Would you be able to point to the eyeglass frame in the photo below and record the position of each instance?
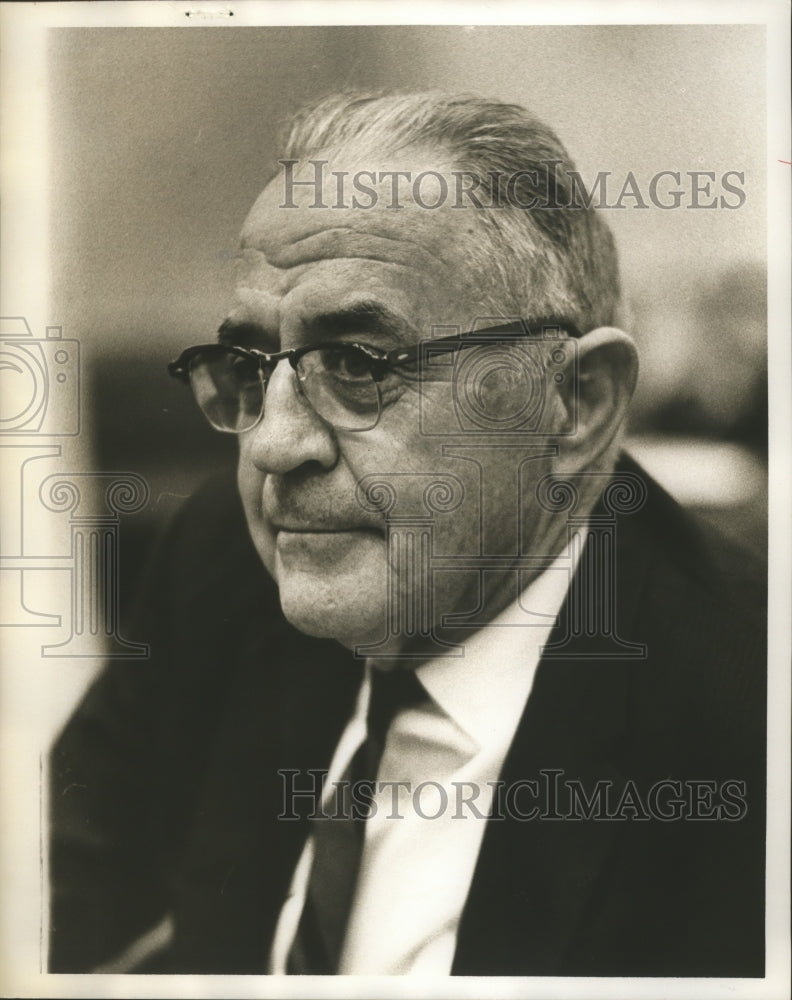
(381, 361)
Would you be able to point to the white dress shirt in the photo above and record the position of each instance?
(422, 842)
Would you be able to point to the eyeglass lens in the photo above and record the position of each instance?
(229, 390)
(336, 381)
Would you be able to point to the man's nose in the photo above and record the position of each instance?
(290, 432)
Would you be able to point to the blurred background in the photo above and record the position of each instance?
(162, 138)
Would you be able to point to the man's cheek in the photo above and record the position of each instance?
(246, 476)
(250, 483)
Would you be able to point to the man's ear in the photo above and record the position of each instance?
(599, 380)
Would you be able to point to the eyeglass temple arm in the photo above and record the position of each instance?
(443, 345)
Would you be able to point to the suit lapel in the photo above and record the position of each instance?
(535, 876)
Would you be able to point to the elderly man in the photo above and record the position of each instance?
(455, 688)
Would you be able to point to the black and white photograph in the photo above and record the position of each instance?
(395, 436)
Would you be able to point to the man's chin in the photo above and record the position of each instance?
(327, 616)
(334, 588)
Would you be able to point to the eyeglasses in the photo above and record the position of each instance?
(345, 383)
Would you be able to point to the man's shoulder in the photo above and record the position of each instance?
(699, 609)
(689, 560)
(209, 608)
(209, 530)
(203, 563)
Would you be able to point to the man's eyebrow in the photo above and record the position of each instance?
(362, 317)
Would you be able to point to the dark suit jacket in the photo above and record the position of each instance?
(166, 790)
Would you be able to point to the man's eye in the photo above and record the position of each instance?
(346, 363)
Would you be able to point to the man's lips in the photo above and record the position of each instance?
(329, 522)
(332, 545)
(322, 529)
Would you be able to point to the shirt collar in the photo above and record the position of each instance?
(485, 690)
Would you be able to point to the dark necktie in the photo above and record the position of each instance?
(338, 839)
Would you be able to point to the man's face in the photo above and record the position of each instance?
(385, 278)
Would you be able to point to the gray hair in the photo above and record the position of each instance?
(558, 261)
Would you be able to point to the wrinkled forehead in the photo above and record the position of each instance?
(338, 206)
